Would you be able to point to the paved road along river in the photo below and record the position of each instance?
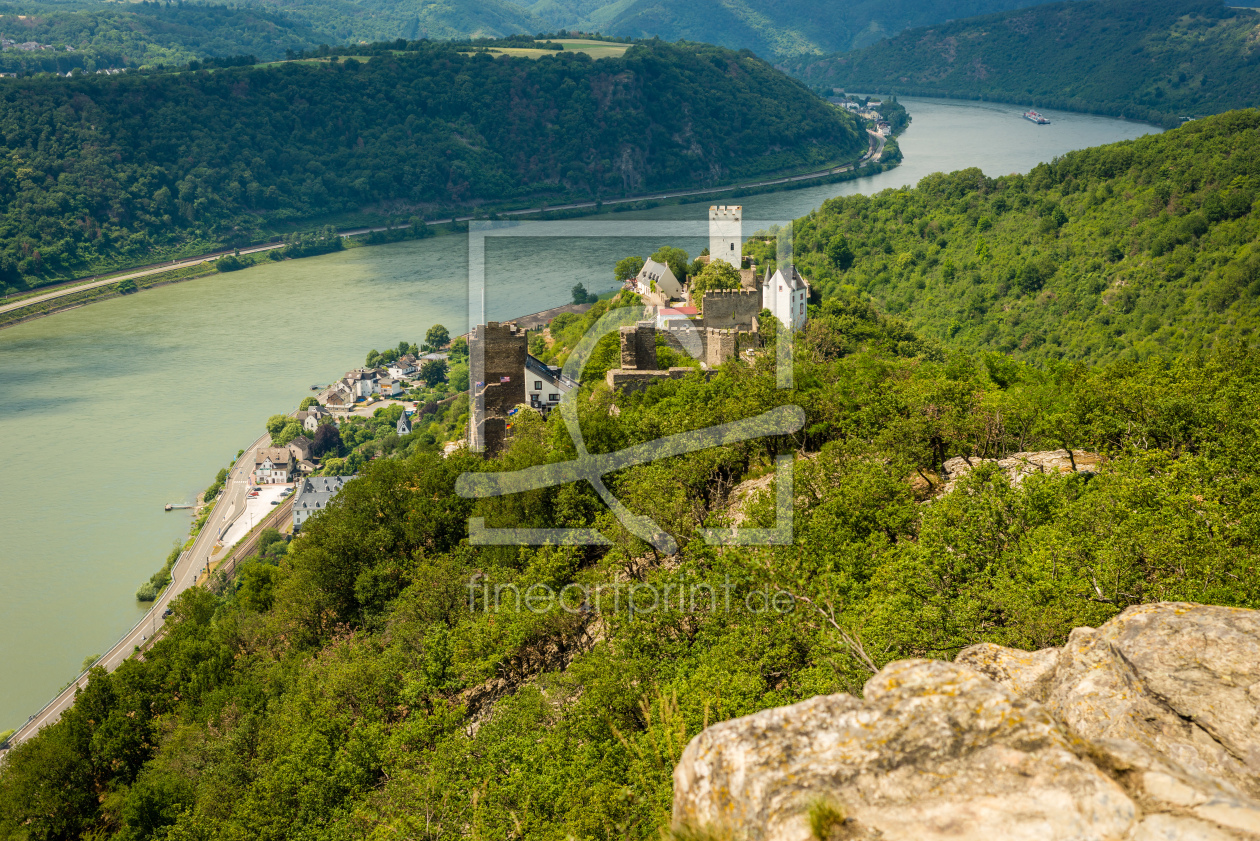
(112, 410)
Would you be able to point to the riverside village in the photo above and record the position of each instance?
(721, 303)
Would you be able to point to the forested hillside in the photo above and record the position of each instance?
(385, 679)
(92, 36)
(380, 677)
(101, 171)
(1158, 61)
(1120, 251)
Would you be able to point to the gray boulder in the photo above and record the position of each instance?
(934, 751)
(1146, 728)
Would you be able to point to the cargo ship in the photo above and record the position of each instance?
(1036, 118)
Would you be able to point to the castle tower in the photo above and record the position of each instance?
(496, 355)
(726, 234)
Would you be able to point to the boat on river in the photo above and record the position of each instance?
(1036, 118)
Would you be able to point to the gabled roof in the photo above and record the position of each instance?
(792, 280)
(276, 455)
(540, 368)
(653, 270)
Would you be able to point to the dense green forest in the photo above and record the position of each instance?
(1120, 251)
(101, 171)
(92, 36)
(363, 682)
(1155, 60)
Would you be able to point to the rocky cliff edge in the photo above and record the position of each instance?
(1146, 728)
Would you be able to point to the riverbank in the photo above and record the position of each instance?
(68, 295)
(164, 386)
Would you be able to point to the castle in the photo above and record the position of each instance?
(505, 377)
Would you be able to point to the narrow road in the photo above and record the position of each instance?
(73, 287)
(166, 267)
(191, 565)
(877, 145)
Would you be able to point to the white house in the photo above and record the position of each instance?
(545, 385)
(387, 387)
(401, 367)
(656, 277)
(312, 417)
(726, 234)
(362, 382)
(273, 466)
(786, 296)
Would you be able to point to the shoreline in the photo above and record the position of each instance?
(204, 265)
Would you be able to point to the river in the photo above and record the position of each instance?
(112, 410)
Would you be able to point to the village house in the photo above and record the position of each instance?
(339, 397)
(657, 277)
(362, 382)
(273, 466)
(313, 417)
(388, 387)
(545, 385)
(313, 495)
(401, 367)
(304, 462)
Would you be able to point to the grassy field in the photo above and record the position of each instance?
(595, 49)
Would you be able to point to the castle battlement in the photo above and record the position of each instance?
(731, 293)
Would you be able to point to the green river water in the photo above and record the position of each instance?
(112, 410)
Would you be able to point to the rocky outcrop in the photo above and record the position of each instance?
(1146, 728)
(1024, 464)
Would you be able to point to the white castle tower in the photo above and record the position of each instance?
(726, 234)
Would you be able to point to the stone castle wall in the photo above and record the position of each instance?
(731, 309)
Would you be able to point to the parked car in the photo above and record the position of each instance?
(275, 502)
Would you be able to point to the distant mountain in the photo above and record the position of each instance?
(785, 28)
(59, 37)
(774, 29)
(131, 34)
(342, 21)
(1155, 60)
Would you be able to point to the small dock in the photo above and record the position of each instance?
(172, 506)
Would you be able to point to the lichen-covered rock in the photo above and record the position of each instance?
(1145, 729)
(1021, 465)
(934, 751)
(1182, 680)
(1029, 674)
